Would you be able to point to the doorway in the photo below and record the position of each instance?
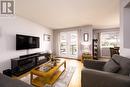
(68, 46)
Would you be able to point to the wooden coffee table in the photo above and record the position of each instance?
(40, 77)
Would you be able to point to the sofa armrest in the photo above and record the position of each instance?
(94, 64)
(96, 78)
(6, 81)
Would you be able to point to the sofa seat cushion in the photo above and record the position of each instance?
(111, 66)
(124, 64)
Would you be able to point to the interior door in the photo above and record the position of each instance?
(68, 44)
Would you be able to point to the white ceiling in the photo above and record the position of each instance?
(68, 13)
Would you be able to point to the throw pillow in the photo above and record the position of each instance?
(111, 66)
(124, 64)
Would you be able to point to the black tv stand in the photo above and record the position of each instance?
(25, 63)
(34, 54)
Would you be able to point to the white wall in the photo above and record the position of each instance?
(125, 28)
(9, 27)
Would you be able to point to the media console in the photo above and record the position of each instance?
(26, 62)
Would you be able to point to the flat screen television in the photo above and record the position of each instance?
(26, 42)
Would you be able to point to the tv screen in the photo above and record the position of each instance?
(26, 42)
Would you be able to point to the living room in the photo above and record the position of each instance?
(59, 43)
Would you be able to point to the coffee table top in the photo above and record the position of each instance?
(47, 69)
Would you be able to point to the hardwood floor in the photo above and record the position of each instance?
(76, 79)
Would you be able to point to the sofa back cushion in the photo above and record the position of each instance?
(124, 64)
(111, 66)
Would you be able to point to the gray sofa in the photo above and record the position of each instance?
(94, 73)
(6, 81)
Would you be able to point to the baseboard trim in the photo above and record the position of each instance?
(68, 58)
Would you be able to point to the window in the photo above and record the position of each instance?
(63, 43)
(68, 44)
(109, 39)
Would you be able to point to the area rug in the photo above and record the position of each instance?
(62, 81)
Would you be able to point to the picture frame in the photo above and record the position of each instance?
(47, 37)
(86, 37)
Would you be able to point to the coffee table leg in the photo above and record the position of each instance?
(31, 78)
(65, 64)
